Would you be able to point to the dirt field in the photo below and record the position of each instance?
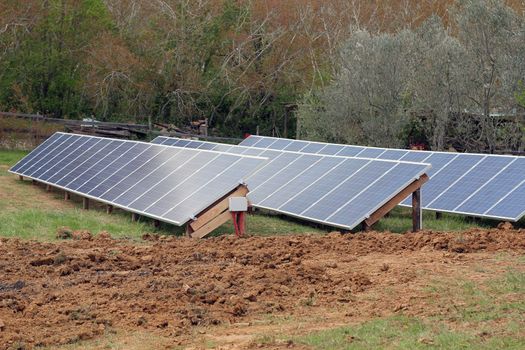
(223, 289)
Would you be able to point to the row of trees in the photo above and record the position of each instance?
(357, 69)
(461, 78)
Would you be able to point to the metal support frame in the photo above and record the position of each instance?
(67, 195)
(109, 209)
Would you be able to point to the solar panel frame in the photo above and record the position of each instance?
(254, 140)
(237, 149)
(64, 137)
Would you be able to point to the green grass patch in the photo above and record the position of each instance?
(42, 224)
(488, 315)
(10, 157)
(400, 221)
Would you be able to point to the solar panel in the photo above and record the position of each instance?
(332, 190)
(471, 184)
(171, 184)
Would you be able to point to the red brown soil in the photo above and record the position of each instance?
(59, 293)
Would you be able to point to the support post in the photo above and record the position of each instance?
(438, 215)
(85, 203)
(365, 227)
(20, 177)
(48, 188)
(416, 211)
(67, 196)
(156, 223)
(134, 217)
(109, 209)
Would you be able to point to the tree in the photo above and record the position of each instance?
(492, 35)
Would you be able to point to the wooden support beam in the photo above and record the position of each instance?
(212, 225)
(85, 203)
(217, 208)
(417, 216)
(20, 177)
(388, 206)
(67, 195)
(215, 215)
(109, 209)
(134, 217)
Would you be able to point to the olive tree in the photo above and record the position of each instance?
(367, 100)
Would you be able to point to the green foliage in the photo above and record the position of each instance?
(45, 74)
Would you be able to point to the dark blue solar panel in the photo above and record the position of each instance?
(46, 156)
(448, 175)
(264, 142)
(393, 154)
(496, 189)
(250, 141)
(385, 187)
(292, 182)
(457, 193)
(280, 144)
(313, 148)
(371, 152)
(125, 170)
(281, 177)
(344, 191)
(350, 151)
(66, 157)
(295, 146)
(416, 156)
(277, 198)
(100, 151)
(49, 142)
(107, 169)
(511, 206)
(331, 150)
(474, 194)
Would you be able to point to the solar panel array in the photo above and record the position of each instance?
(481, 185)
(166, 183)
(337, 191)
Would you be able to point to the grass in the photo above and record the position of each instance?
(10, 157)
(491, 315)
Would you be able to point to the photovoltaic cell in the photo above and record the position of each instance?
(337, 191)
(471, 184)
(168, 183)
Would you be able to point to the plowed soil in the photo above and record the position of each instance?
(59, 293)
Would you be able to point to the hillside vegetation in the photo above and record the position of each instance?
(246, 64)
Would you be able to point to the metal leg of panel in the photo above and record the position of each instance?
(109, 209)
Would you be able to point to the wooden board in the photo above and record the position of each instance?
(387, 207)
(217, 208)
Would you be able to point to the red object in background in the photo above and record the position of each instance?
(238, 223)
(246, 135)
